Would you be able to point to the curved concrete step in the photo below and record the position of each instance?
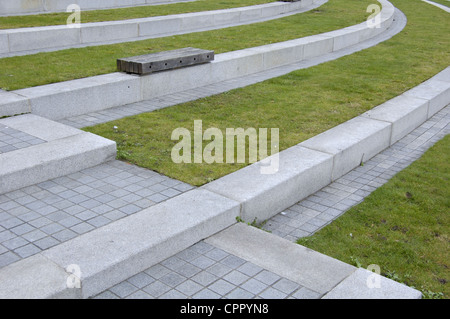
(32, 40)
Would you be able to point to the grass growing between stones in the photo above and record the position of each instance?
(60, 18)
(301, 104)
(51, 67)
(403, 227)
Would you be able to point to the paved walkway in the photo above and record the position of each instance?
(41, 216)
(205, 271)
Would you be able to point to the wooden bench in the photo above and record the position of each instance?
(166, 60)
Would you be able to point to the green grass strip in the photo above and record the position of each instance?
(403, 227)
(60, 18)
(51, 67)
(301, 104)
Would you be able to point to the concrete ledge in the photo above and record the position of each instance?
(304, 266)
(351, 143)
(301, 172)
(13, 104)
(117, 251)
(67, 151)
(23, 7)
(35, 278)
(23, 40)
(358, 286)
(437, 92)
(404, 112)
(60, 100)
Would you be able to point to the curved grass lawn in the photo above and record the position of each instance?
(60, 18)
(301, 104)
(51, 67)
(403, 227)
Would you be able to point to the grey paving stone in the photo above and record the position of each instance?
(15, 243)
(172, 279)
(249, 269)
(233, 261)
(34, 235)
(204, 278)
(287, 286)
(156, 289)
(141, 280)
(27, 250)
(187, 270)
(82, 228)
(305, 293)
(123, 289)
(8, 258)
(254, 286)
(202, 262)
(106, 295)
(206, 294)
(267, 277)
(240, 293)
(189, 288)
(138, 295)
(22, 229)
(235, 277)
(46, 243)
(221, 287)
(65, 235)
(157, 271)
(219, 269)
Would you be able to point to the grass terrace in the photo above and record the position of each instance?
(51, 67)
(60, 18)
(403, 227)
(301, 104)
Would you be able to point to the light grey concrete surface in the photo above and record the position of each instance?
(112, 253)
(306, 267)
(37, 39)
(268, 194)
(351, 143)
(46, 156)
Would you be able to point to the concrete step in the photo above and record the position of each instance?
(34, 150)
